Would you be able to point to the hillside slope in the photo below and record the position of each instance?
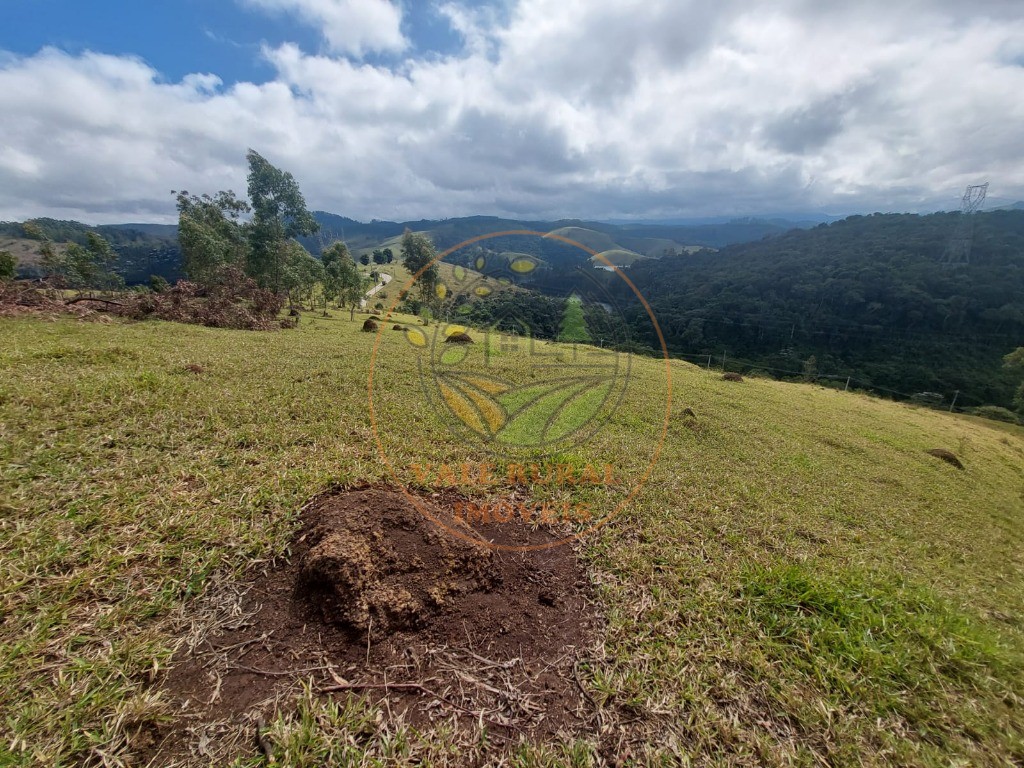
(142, 249)
(870, 297)
(798, 582)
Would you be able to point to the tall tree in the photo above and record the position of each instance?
(211, 234)
(342, 277)
(279, 214)
(573, 328)
(418, 256)
(302, 273)
(51, 262)
(90, 266)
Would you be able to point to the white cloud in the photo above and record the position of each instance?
(593, 108)
(349, 26)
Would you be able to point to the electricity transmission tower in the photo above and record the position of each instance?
(959, 249)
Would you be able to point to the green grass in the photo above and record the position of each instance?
(798, 582)
(589, 238)
(616, 257)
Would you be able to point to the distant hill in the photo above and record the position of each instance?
(870, 297)
(651, 240)
(142, 249)
(146, 249)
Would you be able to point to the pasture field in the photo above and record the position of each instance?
(797, 583)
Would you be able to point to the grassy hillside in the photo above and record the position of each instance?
(616, 257)
(799, 582)
(458, 280)
(654, 246)
(25, 251)
(595, 241)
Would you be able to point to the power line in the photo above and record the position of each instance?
(959, 249)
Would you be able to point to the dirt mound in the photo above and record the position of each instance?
(378, 600)
(398, 328)
(370, 325)
(377, 561)
(730, 376)
(459, 338)
(947, 456)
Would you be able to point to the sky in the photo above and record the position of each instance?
(531, 109)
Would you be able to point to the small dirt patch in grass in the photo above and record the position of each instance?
(947, 456)
(376, 599)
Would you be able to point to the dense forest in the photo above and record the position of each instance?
(871, 297)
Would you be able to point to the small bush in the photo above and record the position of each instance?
(730, 376)
(8, 266)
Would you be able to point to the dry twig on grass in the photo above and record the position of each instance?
(386, 687)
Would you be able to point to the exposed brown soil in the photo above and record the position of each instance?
(377, 600)
(947, 456)
(731, 376)
(459, 338)
(377, 561)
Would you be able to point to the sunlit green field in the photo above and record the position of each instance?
(798, 582)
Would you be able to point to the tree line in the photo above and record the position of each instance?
(869, 297)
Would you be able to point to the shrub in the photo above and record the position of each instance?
(8, 265)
